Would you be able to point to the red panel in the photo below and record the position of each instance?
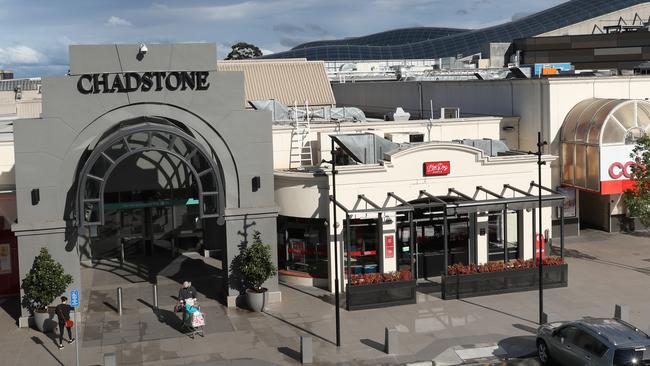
(10, 282)
(616, 186)
(390, 246)
(433, 168)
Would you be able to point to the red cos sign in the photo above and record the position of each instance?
(618, 170)
(432, 168)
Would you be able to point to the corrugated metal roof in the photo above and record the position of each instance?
(24, 84)
(287, 81)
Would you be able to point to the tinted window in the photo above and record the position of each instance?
(589, 343)
(625, 356)
(568, 333)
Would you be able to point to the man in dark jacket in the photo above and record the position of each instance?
(62, 312)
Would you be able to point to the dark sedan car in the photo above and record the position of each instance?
(592, 341)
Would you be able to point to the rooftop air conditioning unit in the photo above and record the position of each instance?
(398, 115)
(449, 113)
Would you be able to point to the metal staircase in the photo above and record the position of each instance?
(300, 154)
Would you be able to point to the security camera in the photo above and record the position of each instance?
(143, 48)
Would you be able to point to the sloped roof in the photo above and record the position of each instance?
(287, 81)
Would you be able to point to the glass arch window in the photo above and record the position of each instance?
(592, 124)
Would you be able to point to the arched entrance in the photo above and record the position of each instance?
(149, 186)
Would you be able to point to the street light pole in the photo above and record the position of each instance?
(336, 252)
(540, 145)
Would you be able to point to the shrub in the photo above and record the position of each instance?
(462, 269)
(375, 278)
(45, 282)
(256, 263)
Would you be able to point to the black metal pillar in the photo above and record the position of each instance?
(446, 240)
(414, 259)
(337, 299)
(540, 145)
(505, 233)
(348, 254)
(562, 232)
(534, 233)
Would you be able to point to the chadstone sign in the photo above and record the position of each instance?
(147, 81)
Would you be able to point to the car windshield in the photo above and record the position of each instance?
(630, 356)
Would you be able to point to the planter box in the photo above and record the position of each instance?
(380, 295)
(482, 284)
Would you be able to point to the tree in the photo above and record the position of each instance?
(256, 263)
(243, 50)
(637, 200)
(45, 282)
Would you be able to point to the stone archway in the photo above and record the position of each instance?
(149, 134)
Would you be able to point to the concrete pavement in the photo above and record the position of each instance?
(604, 269)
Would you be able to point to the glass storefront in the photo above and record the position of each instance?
(364, 244)
(496, 235)
(430, 244)
(302, 246)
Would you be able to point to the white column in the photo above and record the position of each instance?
(481, 240)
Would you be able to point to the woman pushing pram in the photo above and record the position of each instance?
(193, 320)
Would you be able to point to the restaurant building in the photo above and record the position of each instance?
(459, 195)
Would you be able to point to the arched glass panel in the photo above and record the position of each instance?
(613, 132)
(625, 115)
(599, 119)
(571, 120)
(643, 116)
(586, 118)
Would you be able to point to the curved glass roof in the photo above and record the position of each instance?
(389, 38)
(464, 43)
(606, 122)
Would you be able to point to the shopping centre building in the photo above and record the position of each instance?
(153, 156)
(590, 124)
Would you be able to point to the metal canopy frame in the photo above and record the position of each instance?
(468, 205)
(166, 139)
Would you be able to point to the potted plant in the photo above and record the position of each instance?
(256, 267)
(45, 282)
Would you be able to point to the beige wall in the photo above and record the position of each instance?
(303, 195)
(29, 106)
(7, 176)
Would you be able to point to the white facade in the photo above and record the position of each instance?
(306, 194)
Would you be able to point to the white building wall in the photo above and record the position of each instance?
(403, 176)
(435, 130)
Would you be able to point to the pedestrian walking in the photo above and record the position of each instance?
(62, 312)
(186, 292)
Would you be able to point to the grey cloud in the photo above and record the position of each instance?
(307, 29)
(291, 41)
(462, 12)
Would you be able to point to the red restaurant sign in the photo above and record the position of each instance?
(433, 168)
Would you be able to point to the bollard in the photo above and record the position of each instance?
(119, 300)
(390, 341)
(306, 350)
(622, 312)
(155, 296)
(544, 318)
(110, 359)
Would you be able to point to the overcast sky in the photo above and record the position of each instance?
(35, 33)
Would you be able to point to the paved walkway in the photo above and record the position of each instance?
(605, 269)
